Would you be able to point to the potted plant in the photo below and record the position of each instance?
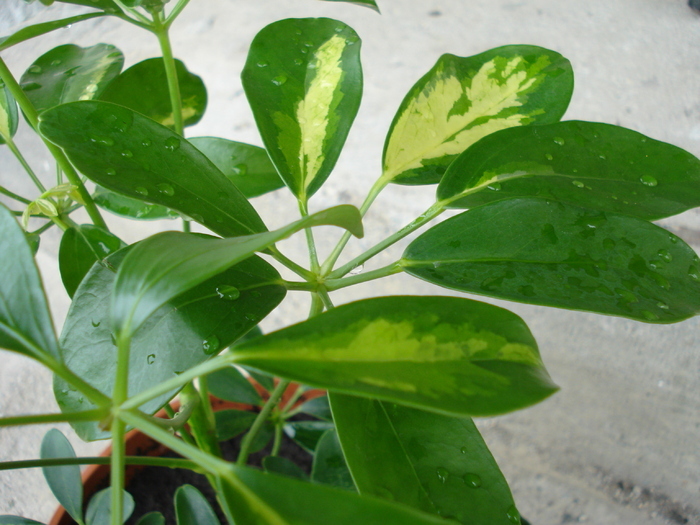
(557, 214)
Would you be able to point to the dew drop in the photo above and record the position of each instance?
(95, 324)
(662, 305)
(496, 186)
(127, 153)
(105, 141)
(548, 156)
(357, 269)
(31, 86)
(34, 70)
(279, 80)
(71, 72)
(649, 316)
(513, 515)
(197, 217)
(165, 189)
(141, 190)
(55, 62)
(230, 293)
(262, 64)
(559, 140)
(665, 255)
(210, 345)
(298, 61)
(151, 359)
(111, 172)
(673, 239)
(578, 183)
(626, 295)
(172, 144)
(146, 142)
(464, 450)
(472, 480)
(648, 180)
(693, 273)
(240, 170)
(442, 474)
(603, 157)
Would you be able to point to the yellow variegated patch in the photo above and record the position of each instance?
(4, 123)
(450, 114)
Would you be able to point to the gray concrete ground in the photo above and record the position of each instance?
(620, 444)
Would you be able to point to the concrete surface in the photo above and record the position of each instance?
(620, 444)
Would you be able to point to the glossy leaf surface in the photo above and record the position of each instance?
(183, 333)
(81, 248)
(445, 354)
(152, 518)
(130, 207)
(307, 434)
(247, 166)
(131, 154)
(421, 459)
(99, 510)
(329, 466)
(303, 80)
(231, 423)
(267, 499)
(231, 385)
(35, 30)
(192, 508)
(282, 466)
(9, 116)
(64, 481)
(69, 73)
(540, 252)
(460, 100)
(170, 263)
(367, 3)
(586, 164)
(25, 322)
(144, 88)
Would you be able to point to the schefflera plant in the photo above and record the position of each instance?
(557, 214)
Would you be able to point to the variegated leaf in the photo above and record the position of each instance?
(303, 80)
(461, 100)
(8, 114)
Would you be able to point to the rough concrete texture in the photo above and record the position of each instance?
(620, 444)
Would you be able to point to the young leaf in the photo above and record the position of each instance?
(307, 434)
(182, 334)
(231, 385)
(284, 467)
(192, 508)
(64, 481)
(80, 249)
(99, 511)
(367, 3)
(170, 263)
(152, 518)
(445, 354)
(461, 100)
(35, 30)
(135, 156)
(318, 407)
(25, 322)
(303, 80)
(9, 116)
(248, 167)
(144, 88)
(586, 164)
(329, 466)
(69, 73)
(132, 208)
(258, 498)
(424, 460)
(539, 252)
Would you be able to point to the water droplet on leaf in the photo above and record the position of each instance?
(496, 186)
(111, 172)
(230, 293)
(105, 141)
(578, 183)
(472, 480)
(126, 153)
(559, 140)
(357, 269)
(240, 169)
(166, 189)
(279, 80)
(665, 255)
(55, 62)
(442, 474)
(262, 64)
(649, 316)
(513, 515)
(34, 70)
(648, 180)
(210, 345)
(146, 142)
(548, 156)
(172, 144)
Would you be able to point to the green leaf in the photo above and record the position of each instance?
(17, 520)
(258, 498)
(35, 30)
(424, 460)
(25, 321)
(283, 466)
(144, 88)
(303, 80)
(170, 263)
(231, 385)
(64, 481)
(318, 407)
(137, 157)
(460, 100)
(99, 510)
(367, 3)
(539, 252)
(307, 434)
(152, 518)
(231, 423)
(192, 508)
(586, 164)
(248, 167)
(69, 73)
(182, 334)
(9, 116)
(445, 354)
(129, 207)
(81, 248)
(329, 466)
(108, 6)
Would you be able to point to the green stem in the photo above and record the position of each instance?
(300, 286)
(297, 269)
(337, 284)
(45, 227)
(18, 155)
(177, 421)
(277, 443)
(176, 11)
(427, 216)
(33, 118)
(39, 419)
(260, 421)
(313, 256)
(14, 196)
(325, 298)
(316, 305)
(184, 433)
(116, 478)
(99, 460)
(141, 20)
(202, 421)
(160, 29)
